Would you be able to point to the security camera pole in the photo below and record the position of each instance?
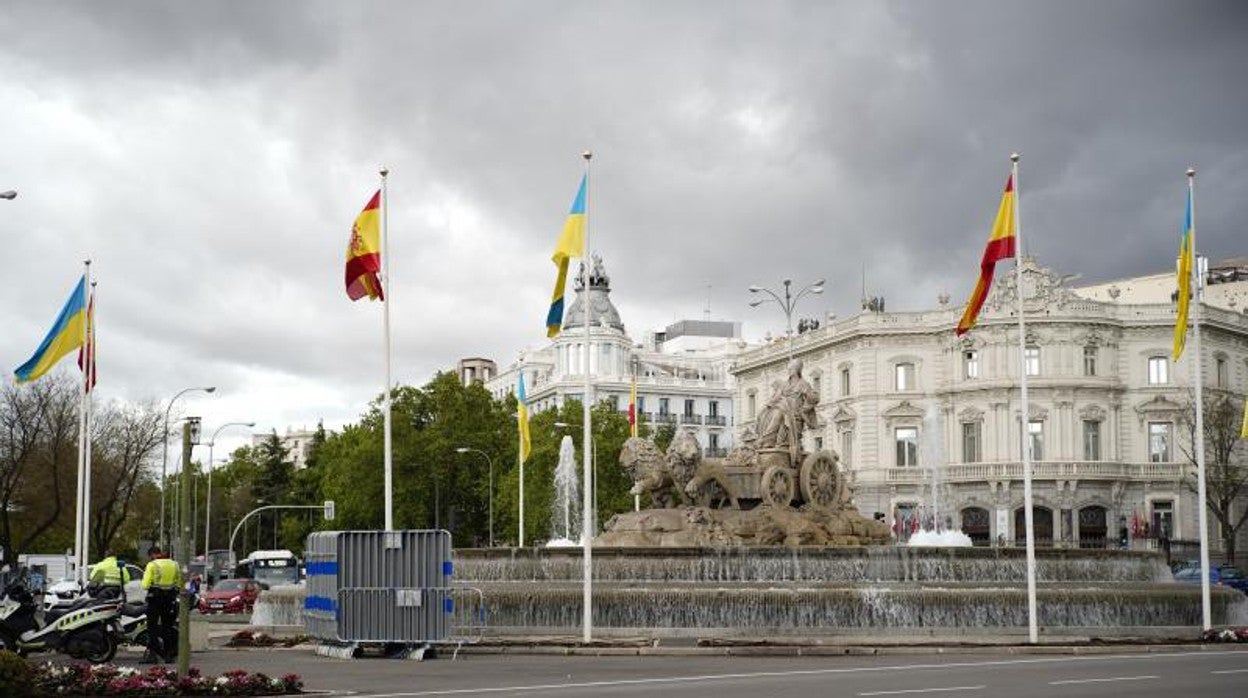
(190, 437)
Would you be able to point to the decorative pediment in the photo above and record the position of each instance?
(1035, 412)
(843, 414)
(1159, 407)
(1092, 413)
(903, 410)
(971, 414)
(1042, 289)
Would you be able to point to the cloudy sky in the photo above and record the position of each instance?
(210, 158)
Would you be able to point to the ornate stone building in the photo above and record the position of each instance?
(930, 424)
(683, 376)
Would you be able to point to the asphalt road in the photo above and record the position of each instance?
(1172, 674)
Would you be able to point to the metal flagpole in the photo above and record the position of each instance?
(88, 363)
(1028, 514)
(1198, 382)
(388, 291)
(587, 513)
(520, 458)
(80, 570)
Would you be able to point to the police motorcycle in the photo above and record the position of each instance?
(84, 629)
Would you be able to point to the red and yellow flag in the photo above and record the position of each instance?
(632, 408)
(86, 352)
(364, 253)
(1000, 246)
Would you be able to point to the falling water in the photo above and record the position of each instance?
(939, 529)
(566, 515)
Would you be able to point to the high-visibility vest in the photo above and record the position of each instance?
(110, 572)
(162, 573)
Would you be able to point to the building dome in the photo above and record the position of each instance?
(602, 310)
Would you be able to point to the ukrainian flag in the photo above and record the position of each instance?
(65, 336)
(1187, 257)
(522, 414)
(571, 244)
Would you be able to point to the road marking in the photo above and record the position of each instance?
(1230, 671)
(922, 690)
(800, 672)
(1116, 678)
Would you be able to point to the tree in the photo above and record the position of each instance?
(1226, 465)
(124, 439)
(271, 484)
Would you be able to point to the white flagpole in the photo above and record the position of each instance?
(520, 458)
(587, 512)
(1033, 633)
(388, 291)
(80, 571)
(88, 363)
(1198, 382)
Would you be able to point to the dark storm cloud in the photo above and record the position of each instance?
(211, 158)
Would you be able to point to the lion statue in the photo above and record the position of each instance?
(648, 469)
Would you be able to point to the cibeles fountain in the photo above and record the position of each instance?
(767, 543)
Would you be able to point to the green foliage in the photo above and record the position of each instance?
(16, 676)
(663, 436)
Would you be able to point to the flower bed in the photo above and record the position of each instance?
(109, 680)
(1226, 635)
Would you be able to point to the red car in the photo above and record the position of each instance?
(230, 596)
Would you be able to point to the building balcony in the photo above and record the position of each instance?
(662, 418)
(716, 420)
(709, 452)
(1042, 470)
(690, 419)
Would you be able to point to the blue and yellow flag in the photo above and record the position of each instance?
(522, 415)
(65, 336)
(1187, 258)
(571, 244)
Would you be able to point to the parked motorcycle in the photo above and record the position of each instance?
(85, 629)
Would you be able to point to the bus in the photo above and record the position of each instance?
(270, 567)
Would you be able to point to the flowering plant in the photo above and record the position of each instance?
(1225, 635)
(107, 679)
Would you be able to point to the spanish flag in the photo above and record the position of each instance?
(65, 336)
(571, 244)
(522, 415)
(364, 253)
(632, 408)
(86, 352)
(1000, 246)
(1187, 256)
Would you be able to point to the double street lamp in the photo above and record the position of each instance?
(164, 462)
(787, 303)
(488, 460)
(208, 500)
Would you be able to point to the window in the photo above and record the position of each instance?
(752, 405)
(1031, 359)
(688, 408)
(712, 408)
(907, 446)
(641, 404)
(1091, 440)
(614, 401)
(816, 382)
(818, 443)
(847, 448)
(1159, 442)
(971, 448)
(1089, 361)
(1163, 518)
(845, 386)
(1035, 439)
(1158, 370)
(712, 442)
(903, 375)
(970, 364)
(664, 406)
(1221, 373)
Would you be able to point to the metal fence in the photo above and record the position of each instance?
(379, 586)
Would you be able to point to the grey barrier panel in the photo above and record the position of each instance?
(379, 586)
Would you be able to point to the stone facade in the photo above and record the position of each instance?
(930, 424)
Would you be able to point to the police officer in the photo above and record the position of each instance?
(109, 577)
(162, 580)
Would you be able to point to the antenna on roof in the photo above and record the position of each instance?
(707, 313)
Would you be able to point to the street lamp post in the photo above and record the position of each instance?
(786, 304)
(208, 500)
(465, 449)
(164, 461)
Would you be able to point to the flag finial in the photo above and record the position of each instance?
(383, 170)
(587, 154)
(1191, 172)
(1014, 157)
